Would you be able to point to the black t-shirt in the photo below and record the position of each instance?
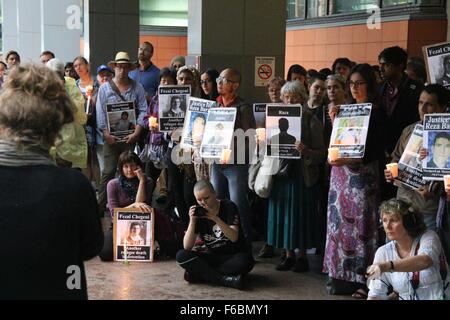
(49, 224)
(214, 239)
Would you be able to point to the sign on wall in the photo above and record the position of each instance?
(264, 70)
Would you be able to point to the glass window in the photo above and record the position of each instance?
(396, 2)
(173, 13)
(317, 8)
(345, 6)
(296, 9)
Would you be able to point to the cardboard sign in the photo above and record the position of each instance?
(121, 118)
(173, 102)
(133, 235)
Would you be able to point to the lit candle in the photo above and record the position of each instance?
(153, 122)
(226, 154)
(261, 134)
(333, 154)
(393, 168)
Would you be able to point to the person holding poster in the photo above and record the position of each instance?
(433, 99)
(232, 179)
(131, 190)
(293, 202)
(353, 198)
(49, 215)
(119, 90)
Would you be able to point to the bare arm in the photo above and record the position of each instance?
(190, 236)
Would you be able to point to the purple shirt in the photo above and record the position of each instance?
(118, 199)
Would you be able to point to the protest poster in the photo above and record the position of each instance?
(219, 132)
(350, 130)
(133, 235)
(410, 167)
(259, 112)
(436, 139)
(195, 122)
(283, 130)
(437, 61)
(172, 106)
(121, 118)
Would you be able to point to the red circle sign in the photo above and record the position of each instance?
(265, 72)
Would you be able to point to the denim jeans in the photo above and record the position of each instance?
(231, 182)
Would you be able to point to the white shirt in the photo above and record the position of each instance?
(430, 281)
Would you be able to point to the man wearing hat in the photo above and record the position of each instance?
(120, 89)
(147, 73)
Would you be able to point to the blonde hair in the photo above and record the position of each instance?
(34, 106)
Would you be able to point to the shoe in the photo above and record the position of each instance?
(266, 251)
(235, 282)
(286, 264)
(301, 265)
(360, 294)
(191, 279)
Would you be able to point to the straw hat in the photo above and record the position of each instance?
(122, 58)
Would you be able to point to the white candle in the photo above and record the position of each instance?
(261, 134)
(88, 104)
(333, 154)
(393, 168)
(153, 122)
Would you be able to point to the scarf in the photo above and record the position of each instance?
(26, 154)
(129, 187)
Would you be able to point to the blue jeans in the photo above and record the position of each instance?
(231, 182)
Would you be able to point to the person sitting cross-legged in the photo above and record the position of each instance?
(226, 259)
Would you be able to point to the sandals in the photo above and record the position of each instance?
(360, 294)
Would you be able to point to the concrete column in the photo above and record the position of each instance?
(233, 33)
(110, 26)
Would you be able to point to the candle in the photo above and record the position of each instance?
(261, 134)
(226, 154)
(88, 104)
(153, 122)
(393, 168)
(333, 154)
(447, 181)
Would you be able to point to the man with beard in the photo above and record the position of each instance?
(147, 73)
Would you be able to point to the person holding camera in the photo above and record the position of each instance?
(227, 258)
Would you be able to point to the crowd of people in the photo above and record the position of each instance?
(374, 237)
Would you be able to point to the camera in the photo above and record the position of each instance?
(200, 212)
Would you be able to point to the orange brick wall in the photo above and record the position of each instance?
(317, 48)
(166, 47)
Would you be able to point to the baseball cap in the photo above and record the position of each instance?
(104, 67)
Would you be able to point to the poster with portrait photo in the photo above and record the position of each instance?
(121, 119)
(410, 166)
(283, 130)
(173, 102)
(437, 61)
(195, 122)
(436, 139)
(350, 129)
(133, 235)
(219, 132)
(259, 112)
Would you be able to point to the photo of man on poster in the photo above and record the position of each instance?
(439, 151)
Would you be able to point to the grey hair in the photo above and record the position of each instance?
(56, 65)
(295, 87)
(336, 77)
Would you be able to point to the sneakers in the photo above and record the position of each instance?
(266, 251)
(235, 282)
(301, 265)
(286, 264)
(191, 279)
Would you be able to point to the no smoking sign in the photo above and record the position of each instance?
(264, 70)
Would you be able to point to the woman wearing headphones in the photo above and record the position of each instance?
(412, 264)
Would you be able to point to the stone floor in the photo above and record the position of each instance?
(163, 280)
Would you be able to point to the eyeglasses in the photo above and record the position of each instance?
(224, 80)
(355, 84)
(202, 82)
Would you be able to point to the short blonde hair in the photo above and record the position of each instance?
(34, 105)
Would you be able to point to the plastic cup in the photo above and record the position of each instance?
(447, 181)
(393, 168)
(261, 134)
(226, 154)
(333, 154)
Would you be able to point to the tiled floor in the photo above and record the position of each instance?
(163, 280)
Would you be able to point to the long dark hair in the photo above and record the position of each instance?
(213, 74)
(368, 74)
